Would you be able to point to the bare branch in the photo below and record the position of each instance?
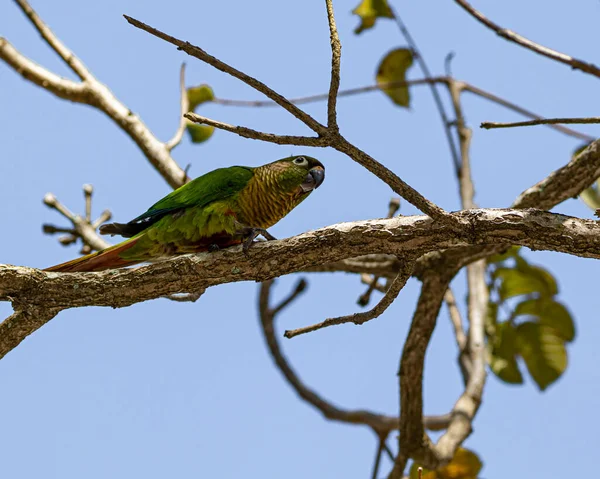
(185, 106)
(413, 441)
(434, 91)
(522, 111)
(524, 42)
(59, 86)
(564, 183)
(325, 96)
(219, 65)
(456, 320)
(21, 324)
(259, 135)
(541, 121)
(361, 318)
(63, 52)
(422, 81)
(83, 227)
(336, 55)
(380, 423)
(90, 92)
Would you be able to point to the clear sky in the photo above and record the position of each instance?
(163, 389)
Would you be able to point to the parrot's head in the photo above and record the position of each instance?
(303, 173)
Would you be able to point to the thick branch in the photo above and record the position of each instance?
(401, 236)
(524, 42)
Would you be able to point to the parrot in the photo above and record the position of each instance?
(225, 207)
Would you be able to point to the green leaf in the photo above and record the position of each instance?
(543, 351)
(199, 133)
(550, 313)
(369, 11)
(199, 94)
(502, 354)
(464, 465)
(393, 69)
(524, 279)
(509, 253)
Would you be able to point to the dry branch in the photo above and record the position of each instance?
(509, 35)
(91, 92)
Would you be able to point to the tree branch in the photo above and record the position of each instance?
(400, 236)
(90, 92)
(360, 318)
(59, 86)
(185, 107)
(83, 227)
(244, 132)
(541, 121)
(380, 423)
(434, 91)
(336, 55)
(524, 42)
(200, 54)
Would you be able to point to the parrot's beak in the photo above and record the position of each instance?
(314, 179)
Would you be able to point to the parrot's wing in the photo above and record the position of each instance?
(216, 185)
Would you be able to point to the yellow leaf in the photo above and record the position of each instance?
(369, 11)
(465, 465)
(392, 69)
(198, 95)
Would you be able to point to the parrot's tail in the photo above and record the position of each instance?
(108, 258)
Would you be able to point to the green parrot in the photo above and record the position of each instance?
(224, 207)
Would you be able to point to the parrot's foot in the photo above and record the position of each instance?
(213, 247)
(250, 235)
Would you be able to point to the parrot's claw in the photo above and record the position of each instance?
(213, 247)
(251, 234)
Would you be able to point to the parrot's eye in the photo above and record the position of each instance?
(301, 161)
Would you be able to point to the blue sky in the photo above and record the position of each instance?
(163, 389)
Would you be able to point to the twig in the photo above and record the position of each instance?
(524, 42)
(541, 121)
(244, 132)
(63, 52)
(91, 92)
(516, 108)
(455, 319)
(185, 107)
(434, 91)
(373, 283)
(336, 55)
(199, 53)
(325, 96)
(380, 423)
(361, 318)
(467, 87)
(83, 228)
(378, 454)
